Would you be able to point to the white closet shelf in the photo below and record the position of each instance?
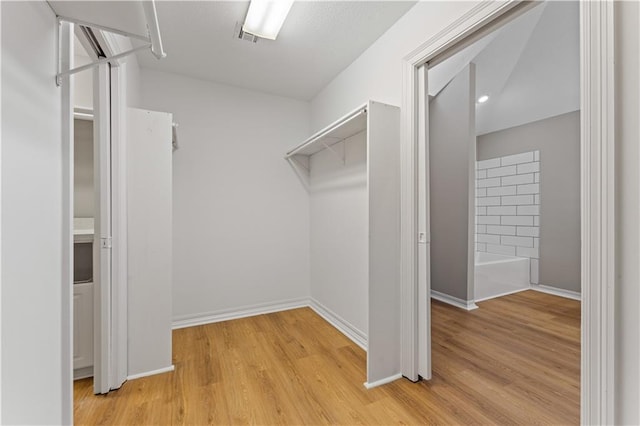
(349, 125)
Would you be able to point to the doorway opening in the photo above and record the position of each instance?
(91, 210)
(508, 106)
(93, 97)
(596, 229)
(507, 109)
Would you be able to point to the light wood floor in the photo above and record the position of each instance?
(515, 360)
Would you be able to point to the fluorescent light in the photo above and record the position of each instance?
(482, 99)
(265, 17)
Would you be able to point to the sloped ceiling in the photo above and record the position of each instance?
(530, 68)
(443, 73)
(496, 63)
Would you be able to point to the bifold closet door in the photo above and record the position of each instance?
(102, 228)
(383, 342)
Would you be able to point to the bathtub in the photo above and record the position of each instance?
(498, 275)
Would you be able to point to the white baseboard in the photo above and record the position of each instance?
(357, 336)
(83, 373)
(151, 373)
(557, 291)
(506, 293)
(454, 301)
(237, 313)
(383, 381)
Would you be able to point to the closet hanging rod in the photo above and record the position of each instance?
(327, 130)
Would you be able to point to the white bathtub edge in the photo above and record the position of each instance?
(454, 301)
(557, 291)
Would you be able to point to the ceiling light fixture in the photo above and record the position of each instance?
(265, 17)
(482, 99)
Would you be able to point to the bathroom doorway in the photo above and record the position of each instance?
(508, 108)
(471, 97)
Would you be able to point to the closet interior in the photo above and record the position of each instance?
(351, 172)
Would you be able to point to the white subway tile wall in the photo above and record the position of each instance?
(508, 207)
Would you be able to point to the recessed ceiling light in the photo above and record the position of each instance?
(265, 17)
(482, 99)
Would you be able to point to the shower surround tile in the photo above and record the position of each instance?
(508, 207)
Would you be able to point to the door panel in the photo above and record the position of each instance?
(102, 232)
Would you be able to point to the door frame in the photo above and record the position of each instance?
(65, 44)
(597, 177)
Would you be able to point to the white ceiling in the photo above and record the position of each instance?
(318, 40)
(530, 68)
(121, 15)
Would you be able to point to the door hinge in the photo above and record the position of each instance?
(105, 243)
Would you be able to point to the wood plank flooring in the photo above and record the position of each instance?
(515, 360)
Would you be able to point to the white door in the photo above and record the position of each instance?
(102, 227)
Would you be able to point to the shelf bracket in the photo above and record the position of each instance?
(342, 157)
(98, 62)
(295, 159)
(301, 169)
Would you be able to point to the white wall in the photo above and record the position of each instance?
(132, 71)
(452, 153)
(627, 351)
(32, 382)
(83, 87)
(377, 73)
(83, 189)
(340, 231)
(240, 214)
